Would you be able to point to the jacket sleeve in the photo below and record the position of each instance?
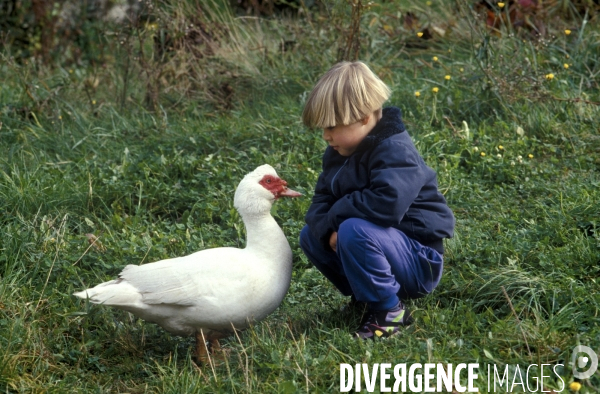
(316, 216)
(397, 174)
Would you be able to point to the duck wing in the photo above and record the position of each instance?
(204, 276)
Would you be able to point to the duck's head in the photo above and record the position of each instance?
(259, 189)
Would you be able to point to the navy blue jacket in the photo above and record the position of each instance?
(386, 182)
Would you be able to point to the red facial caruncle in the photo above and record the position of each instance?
(278, 187)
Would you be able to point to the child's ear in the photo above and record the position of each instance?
(366, 120)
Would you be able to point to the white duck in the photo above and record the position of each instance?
(210, 292)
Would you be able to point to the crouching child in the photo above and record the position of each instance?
(377, 221)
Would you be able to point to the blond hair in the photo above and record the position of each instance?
(345, 94)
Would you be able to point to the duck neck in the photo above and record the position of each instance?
(263, 233)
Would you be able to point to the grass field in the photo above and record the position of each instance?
(143, 148)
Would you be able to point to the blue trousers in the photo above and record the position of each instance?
(378, 265)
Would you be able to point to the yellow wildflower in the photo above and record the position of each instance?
(447, 77)
(501, 5)
(435, 90)
(575, 386)
(420, 34)
(549, 76)
(565, 65)
(482, 154)
(435, 58)
(530, 156)
(417, 94)
(567, 32)
(500, 147)
(461, 69)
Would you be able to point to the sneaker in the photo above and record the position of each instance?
(383, 323)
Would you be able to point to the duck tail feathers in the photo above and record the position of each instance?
(115, 293)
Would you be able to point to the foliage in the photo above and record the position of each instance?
(134, 158)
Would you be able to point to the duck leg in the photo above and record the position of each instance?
(201, 348)
(215, 349)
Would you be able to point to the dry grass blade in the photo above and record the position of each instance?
(512, 308)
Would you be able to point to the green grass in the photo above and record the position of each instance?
(155, 179)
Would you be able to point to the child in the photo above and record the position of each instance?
(377, 220)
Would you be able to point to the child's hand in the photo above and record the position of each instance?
(333, 241)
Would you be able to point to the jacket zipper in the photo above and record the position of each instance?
(335, 176)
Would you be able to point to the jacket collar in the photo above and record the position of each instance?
(389, 125)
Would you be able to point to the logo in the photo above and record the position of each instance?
(579, 362)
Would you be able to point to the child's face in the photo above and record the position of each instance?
(346, 138)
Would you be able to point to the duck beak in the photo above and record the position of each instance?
(287, 192)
